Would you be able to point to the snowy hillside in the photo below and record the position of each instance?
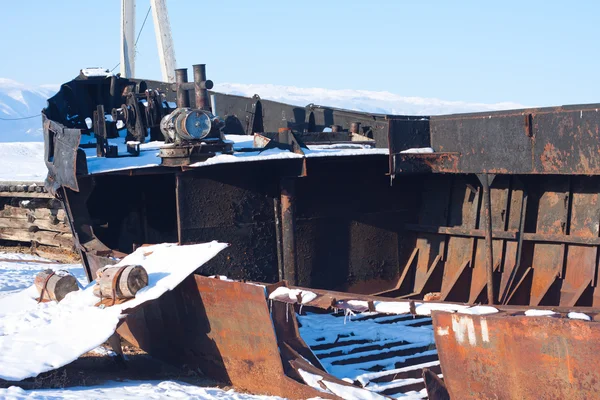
(17, 101)
(360, 100)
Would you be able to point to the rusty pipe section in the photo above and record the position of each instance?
(200, 86)
(183, 97)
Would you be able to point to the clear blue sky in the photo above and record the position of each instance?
(533, 53)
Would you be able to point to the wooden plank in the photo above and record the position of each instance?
(26, 194)
(42, 237)
(41, 224)
(42, 213)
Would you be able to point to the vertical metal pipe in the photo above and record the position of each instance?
(100, 131)
(288, 229)
(178, 200)
(114, 96)
(487, 214)
(213, 104)
(183, 97)
(277, 212)
(202, 101)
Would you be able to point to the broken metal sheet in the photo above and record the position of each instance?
(517, 357)
(36, 338)
(221, 327)
(61, 155)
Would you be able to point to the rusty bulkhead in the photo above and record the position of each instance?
(501, 209)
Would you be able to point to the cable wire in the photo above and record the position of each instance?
(17, 119)
(138, 35)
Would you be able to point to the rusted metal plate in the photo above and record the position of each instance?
(407, 133)
(406, 163)
(223, 328)
(488, 142)
(584, 222)
(515, 220)
(501, 356)
(466, 200)
(436, 192)
(238, 333)
(61, 156)
(559, 140)
(548, 258)
(567, 140)
(499, 199)
(239, 337)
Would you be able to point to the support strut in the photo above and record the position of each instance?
(288, 229)
(486, 181)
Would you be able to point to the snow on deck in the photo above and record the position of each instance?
(130, 390)
(383, 353)
(25, 161)
(36, 338)
(243, 152)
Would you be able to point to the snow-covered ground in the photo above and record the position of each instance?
(130, 390)
(16, 276)
(18, 310)
(22, 161)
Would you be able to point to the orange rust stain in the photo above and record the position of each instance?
(552, 159)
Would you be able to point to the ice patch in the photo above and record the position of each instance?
(539, 313)
(478, 310)
(418, 150)
(578, 315)
(286, 294)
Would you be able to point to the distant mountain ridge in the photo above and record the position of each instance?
(18, 100)
(361, 100)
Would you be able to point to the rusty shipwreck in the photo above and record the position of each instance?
(384, 220)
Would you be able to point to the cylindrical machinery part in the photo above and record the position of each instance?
(183, 97)
(355, 127)
(213, 104)
(114, 95)
(201, 86)
(336, 128)
(186, 124)
(120, 282)
(55, 285)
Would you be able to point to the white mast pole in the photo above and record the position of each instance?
(127, 38)
(164, 40)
